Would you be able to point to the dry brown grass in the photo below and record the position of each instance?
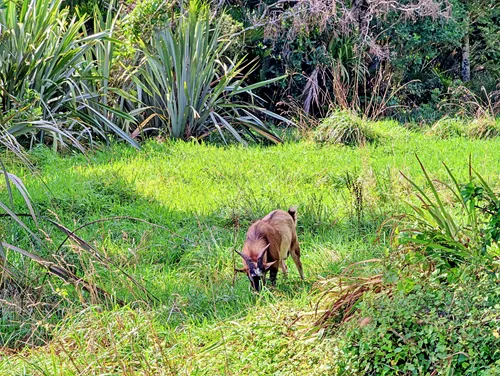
(341, 296)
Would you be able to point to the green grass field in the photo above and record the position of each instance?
(205, 197)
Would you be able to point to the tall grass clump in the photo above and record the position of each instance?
(29, 300)
(192, 90)
(447, 127)
(482, 109)
(484, 127)
(342, 127)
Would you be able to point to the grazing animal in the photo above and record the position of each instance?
(269, 242)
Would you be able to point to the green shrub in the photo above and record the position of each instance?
(229, 26)
(145, 18)
(346, 128)
(85, 6)
(433, 329)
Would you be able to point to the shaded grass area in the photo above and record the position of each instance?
(206, 197)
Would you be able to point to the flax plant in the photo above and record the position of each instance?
(192, 90)
(45, 70)
(464, 232)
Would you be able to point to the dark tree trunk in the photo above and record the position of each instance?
(465, 59)
(360, 12)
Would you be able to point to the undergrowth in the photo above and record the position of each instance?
(427, 327)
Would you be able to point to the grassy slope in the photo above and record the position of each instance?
(207, 196)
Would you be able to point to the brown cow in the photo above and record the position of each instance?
(269, 242)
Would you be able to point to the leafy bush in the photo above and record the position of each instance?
(191, 90)
(146, 17)
(87, 6)
(346, 128)
(231, 33)
(426, 327)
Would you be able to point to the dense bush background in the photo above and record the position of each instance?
(412, 61)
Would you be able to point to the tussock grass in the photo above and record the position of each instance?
(448, 127)
(345, 128)
(479, 128)
(484, 127)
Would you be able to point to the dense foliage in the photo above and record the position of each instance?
(418, 43)
(433, 327)
(402, 60)
(54, 76)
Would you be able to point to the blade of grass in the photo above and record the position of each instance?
(106, 262)
(7, 184)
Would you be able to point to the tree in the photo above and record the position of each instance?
(481, 22)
